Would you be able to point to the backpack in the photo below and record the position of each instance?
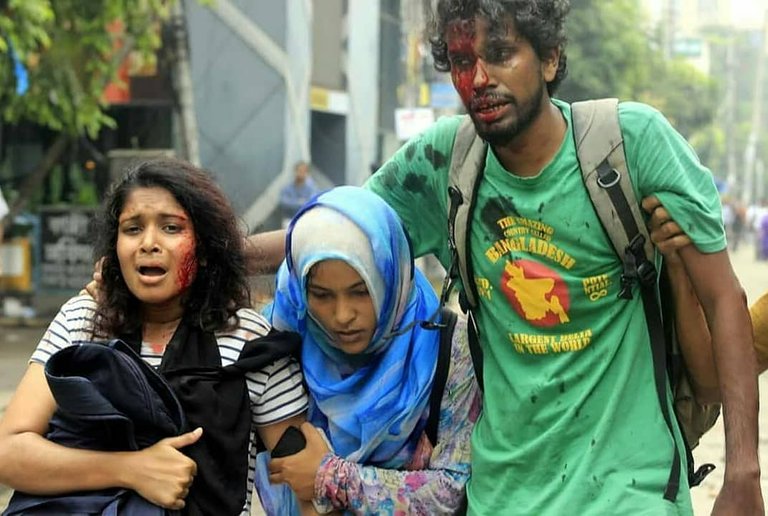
(600, 151)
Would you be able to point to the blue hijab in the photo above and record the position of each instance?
(372, 406)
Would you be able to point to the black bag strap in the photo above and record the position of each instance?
(447, 324)
(475, 351)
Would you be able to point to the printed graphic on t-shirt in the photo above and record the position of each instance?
(527, 236)
(538, 294)
(529, 265)
(596, 287)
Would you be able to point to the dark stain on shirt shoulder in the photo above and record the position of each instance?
(410, 151)
(435, 157)
(495, 209)
(388, 174)
(415, 183)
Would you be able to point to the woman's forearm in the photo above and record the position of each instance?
(32, 464)
(693, 335)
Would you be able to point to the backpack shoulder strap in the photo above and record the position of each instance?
(447, 324)
(600, 150)
(466, 170)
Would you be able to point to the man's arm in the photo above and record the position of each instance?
(724, 304)
(264, 252)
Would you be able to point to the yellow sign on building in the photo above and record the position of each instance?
(16, 265)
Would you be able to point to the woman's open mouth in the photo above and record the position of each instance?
(151, 274)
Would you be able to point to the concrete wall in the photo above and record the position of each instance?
(250, 65)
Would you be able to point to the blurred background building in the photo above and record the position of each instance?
(247, 88)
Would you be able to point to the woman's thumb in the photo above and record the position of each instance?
(186, 439)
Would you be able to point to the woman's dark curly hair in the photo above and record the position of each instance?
(541, 22)
(221, 285)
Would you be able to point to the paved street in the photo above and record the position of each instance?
(16, 344)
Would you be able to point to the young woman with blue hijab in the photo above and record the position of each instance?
(349, 287)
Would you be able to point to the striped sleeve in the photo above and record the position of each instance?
(276, 391)
(72, 325)
(282, 392)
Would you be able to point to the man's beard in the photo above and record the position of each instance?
(502, 133)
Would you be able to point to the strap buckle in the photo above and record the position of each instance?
(637, 267)
(609, 179)
(700, 474)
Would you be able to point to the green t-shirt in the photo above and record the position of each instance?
(571, 423)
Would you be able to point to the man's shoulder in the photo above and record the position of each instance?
(440, 134)
(630, 112)
(424, 154)
(638, 114)
(448, 123)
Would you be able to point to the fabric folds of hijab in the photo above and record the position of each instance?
(372, 406)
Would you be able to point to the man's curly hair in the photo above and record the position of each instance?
(220, 287)
(541, 22)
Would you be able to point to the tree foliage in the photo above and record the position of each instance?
(608, 54)
(612, 53)
(71, 49)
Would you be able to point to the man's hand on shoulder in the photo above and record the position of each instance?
(93, 288)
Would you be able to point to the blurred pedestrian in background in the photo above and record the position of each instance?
(296, 193)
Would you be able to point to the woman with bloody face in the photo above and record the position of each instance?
(176, 404)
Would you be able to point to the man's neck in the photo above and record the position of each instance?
(533, 149)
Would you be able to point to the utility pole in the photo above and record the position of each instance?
(750, 153)
(730, 112)
(182, 80)
(411, 12)
(669, 23)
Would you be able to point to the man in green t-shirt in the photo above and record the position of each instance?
(571, 421)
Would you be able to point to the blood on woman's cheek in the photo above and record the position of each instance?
(188, 265)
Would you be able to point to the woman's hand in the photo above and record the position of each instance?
(665, 233)
(161, 473)
(299, 470)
